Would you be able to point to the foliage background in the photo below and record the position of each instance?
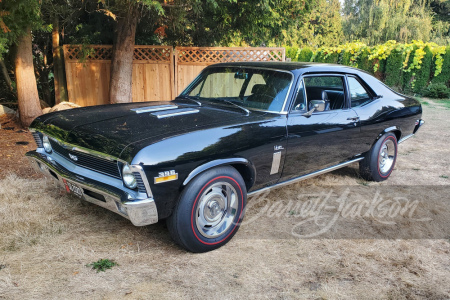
(375, 35)
(409, 67)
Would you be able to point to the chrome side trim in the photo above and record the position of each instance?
(405, 138)
(178, 112)
(275, 163)
(310, 175)
(142, 110)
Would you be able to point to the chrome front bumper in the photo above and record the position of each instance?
(99, 189)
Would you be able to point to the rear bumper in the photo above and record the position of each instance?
(99, 189)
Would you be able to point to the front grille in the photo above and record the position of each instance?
(37, 139)
(140, 183)
(88, 161)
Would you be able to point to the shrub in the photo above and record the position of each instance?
(423, 73)
(437, 90)
(444, 76)
(332, 58)
(305, 54)
(393, 72)
(345, 58)
(291, 52)
(407, 78)
(320, 57)
(363, 61)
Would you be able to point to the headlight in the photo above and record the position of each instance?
(46, 144)
(128, 178)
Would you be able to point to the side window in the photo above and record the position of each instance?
(327, 88)
(300, 100)
(358, 93)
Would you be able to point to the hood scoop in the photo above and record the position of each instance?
(173, 113)
(146, 109)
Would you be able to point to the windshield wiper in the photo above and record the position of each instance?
(247, 112)
(190, 98)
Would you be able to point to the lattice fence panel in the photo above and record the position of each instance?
(216, 55)
(153, 53)
(91, 52)
(104, 52)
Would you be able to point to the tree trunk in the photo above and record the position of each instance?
(122, 57)
(58, 66)
(27, 93)
(6, 76)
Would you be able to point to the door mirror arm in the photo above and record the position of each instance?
(309, 113)
(315, 105)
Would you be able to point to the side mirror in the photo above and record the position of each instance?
(315, 105)
(318, 105)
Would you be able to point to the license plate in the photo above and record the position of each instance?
(73, 189)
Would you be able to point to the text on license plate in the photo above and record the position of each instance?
(73, 188)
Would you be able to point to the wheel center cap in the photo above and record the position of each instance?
(213, 210)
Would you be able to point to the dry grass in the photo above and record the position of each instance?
(47, 238)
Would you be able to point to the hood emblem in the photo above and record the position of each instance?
(73, 157)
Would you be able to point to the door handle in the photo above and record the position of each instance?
(355, 119)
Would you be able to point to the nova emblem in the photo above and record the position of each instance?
(73, 157)
(277, 148)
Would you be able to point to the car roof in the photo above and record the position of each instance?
(302, 67)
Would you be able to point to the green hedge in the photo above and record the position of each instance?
(387, 62)
(444, 76)
(393, 72)
(345, 58)
(422, 75)
(407, 77)
(363, 61)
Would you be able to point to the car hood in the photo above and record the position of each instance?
(111, 128)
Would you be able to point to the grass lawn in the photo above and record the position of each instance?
(287, 248)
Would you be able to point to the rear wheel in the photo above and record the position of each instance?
(209, 211)
(380, 160)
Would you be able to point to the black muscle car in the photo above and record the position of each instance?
(236, 130)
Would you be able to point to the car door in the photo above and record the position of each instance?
(324, 138)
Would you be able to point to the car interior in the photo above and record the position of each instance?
(327, 88)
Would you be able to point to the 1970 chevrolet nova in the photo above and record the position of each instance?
(236, 130)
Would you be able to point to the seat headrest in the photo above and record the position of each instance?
(324, 96)
(259, 89)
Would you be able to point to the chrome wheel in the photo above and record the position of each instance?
(216, 209)
(387, 156)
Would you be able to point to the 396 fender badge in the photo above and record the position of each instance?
(166, 176)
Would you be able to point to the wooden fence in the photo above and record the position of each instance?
(159, 72)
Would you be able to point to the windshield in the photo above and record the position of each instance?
(249, 88)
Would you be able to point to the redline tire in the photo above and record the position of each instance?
(379, 162)
(209, 211)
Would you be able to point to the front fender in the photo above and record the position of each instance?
(249, 178)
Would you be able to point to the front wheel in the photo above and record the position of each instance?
(380, 160)
(209, 211)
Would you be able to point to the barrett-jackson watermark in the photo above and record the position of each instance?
(322, 210)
